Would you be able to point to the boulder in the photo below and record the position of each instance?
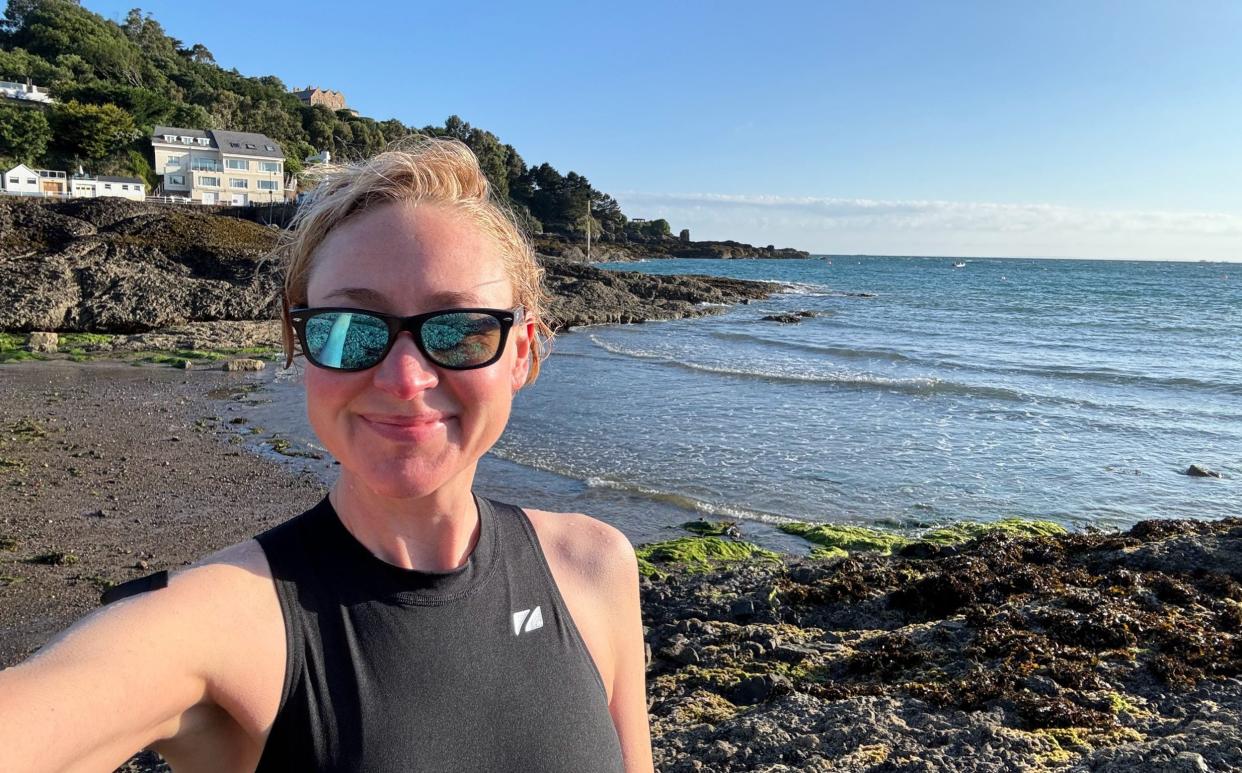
(1196, 471)
(243, 365)
(42, 342)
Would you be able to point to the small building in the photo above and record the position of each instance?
(219, 167)
(87, 186)
(27, 92)
(22, 180)
(313, 95)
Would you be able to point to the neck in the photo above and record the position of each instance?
(432, 533)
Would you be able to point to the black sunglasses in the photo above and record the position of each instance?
(356, 339)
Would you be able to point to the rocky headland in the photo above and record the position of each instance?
(174, 273)
(669, 247)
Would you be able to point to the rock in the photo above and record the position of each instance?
(782, 318)
(42, 342)
(757, 689)
(97, 514)
(184, 364)
(1189, 762)
(141, 565)
(243, 365)
(742, 610)
(1196, 471)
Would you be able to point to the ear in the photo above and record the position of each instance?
(524, 337)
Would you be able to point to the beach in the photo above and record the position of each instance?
(1101, 651)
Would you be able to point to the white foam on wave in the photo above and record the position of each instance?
(687, 502)
(844, 378)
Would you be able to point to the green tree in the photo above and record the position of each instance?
(89, 132)
(24, 134)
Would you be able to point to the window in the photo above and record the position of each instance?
(176, 179)
(210, 182)
(124, 187)
(268, 185)
(169, 138)
(249, 146)
(205, 165)
(32, 181)
(269, 166)
(202, 140)
(269, 147)
(107, 186)
(14, 180)
(237, 182)
(237, 163)
(187, 140)
(234, 144)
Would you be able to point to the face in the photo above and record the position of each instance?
(406, 428)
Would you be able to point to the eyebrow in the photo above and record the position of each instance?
(369, 296)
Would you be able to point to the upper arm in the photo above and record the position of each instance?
(619, 576)
(116, 681)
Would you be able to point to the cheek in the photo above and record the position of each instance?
(325, 394)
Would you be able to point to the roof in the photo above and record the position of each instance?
(160, 131)
(233, 143)
(246, 144)
(109, 179)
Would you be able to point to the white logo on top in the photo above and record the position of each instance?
(532, 618)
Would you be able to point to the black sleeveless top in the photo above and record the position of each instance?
(388, 669)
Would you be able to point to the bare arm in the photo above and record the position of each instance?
(629, 684)
(118, 680)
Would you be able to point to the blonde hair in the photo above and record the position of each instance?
(437, 171)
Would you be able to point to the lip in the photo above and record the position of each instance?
(407, 429)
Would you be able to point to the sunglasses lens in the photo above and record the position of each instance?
(461, 339)
(346, 340)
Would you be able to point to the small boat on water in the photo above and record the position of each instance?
(960, 264)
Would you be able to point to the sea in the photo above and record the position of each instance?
(916, 392)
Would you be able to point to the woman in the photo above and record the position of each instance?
(403, 623)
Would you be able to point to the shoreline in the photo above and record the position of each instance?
(1079, 651)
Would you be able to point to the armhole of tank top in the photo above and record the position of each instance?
(559, 600)
(286, 595)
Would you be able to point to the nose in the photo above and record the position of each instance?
(405, 372)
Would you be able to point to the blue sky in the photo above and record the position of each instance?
(1076, 129)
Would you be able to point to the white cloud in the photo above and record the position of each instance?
(838, 225)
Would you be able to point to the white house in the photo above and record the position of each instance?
(86, 186)
(219, 167)
(21, 180)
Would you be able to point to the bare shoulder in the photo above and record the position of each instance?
(591, 548)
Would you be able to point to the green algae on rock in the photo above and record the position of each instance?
(846, 538)
(965, 531)
(697, 554)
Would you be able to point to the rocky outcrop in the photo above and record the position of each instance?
(113, 265)
(604, 252)
(584, 295)
(116, 266)
(1082, 652)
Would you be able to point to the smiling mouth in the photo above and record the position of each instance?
(407, 428)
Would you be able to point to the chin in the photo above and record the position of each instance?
(403, 478)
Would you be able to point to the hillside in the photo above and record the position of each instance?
(115, 82)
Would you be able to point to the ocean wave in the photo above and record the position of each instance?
(686, 502)
(682, 501)
(802, 346)
(922, 386)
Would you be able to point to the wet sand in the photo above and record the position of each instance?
(111, 471)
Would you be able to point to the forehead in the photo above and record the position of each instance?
(409, 258)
